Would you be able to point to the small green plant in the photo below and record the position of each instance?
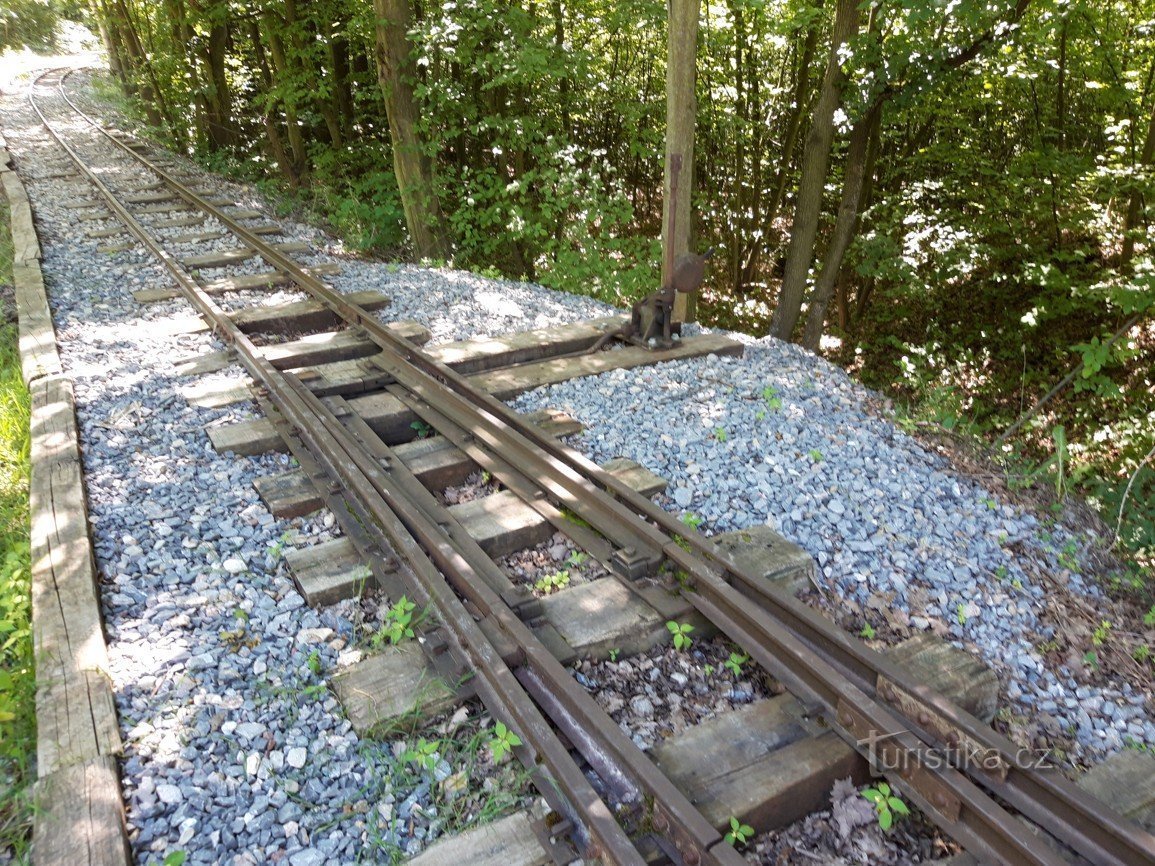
(1141, 653)
(423, 430)
(1149, 616)
(315, 662)
(886, 804)
(486, 477)
(614, 653)
(735, 662)
(770, 396)
(720, 434)
(1101, 633)
(738, 833)
(1001, 572)
(867, 632)
(398, 624)
(961, 613)
(681, 634)
(692, 520)
(1067, 557)
(423, 754)
(708, 670)
(1091, 659)
(990, 503)
(551, 582)
(175, 858)
(815, 455)
(502, 742)
(577, 559)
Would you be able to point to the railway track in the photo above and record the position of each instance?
(617, 804)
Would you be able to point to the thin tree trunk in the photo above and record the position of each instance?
(275, 143)
(793, 123)
(1135, 206)
(815, 164)
(681, 111)
(856, 160)
(395, 73)
(292, 126)
(220, 115)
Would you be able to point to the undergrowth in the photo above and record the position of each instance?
(17, 684)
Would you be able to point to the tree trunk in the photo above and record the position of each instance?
(395, 73)
(292, 125)
(220, 114)
(815, 163)
(681, 110)
(1135, 206)
(856, 161)
(793, 123)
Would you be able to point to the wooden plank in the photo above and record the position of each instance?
(109, 249)
(329, 572)
(76, 716)
(147, 197)
(503, 523)
(435, 461)
(223, 258)
(25, 244)
(180, 222)
(90, 217)
(757, 764)
(307, 315)
(97, 234)
(269, 280)
(37, 337)
(392, 420)
(509, 841)
(603, 615)
(347, 377)
(382, 689)
(487, 353)
(80, 817)
(508, 383)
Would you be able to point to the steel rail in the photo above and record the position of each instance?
(1049, 799)
(500, 691)
(612, 754)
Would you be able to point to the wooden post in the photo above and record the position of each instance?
(681, 110)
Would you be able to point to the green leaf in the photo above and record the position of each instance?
(897, 806)
(885, 819)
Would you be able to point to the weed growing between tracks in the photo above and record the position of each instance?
(470, 781)
(17, 682)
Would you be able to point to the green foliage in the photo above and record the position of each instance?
(502, 742)
(552, 582)
(398, 624)
(423, 430)
(692, 520)
(886, 804)
(815, 455)
(734, 663)
(868, 631)
(680, 632)
(175, 858)
(738, 834)
(423, 754)
(17, 672)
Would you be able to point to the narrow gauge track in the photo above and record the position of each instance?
(961, 773)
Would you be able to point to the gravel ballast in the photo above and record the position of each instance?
(212, 648)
